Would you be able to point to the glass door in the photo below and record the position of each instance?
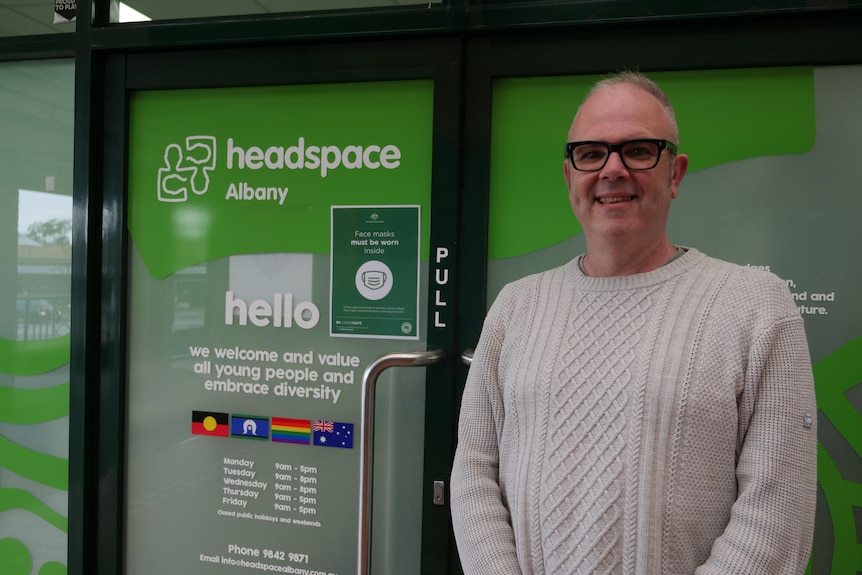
(288, 349)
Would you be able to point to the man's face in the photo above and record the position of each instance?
(616, 203)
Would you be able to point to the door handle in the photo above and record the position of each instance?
(366, 448)
(467, 356)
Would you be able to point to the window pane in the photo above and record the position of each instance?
(36, 139)
(32, 17)
(171, 9)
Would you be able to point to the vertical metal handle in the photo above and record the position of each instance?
(366, 449)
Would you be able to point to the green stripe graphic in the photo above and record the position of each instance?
(28, 406)
(835, 376)
(34, 357)
(11, 498)
(40, 467)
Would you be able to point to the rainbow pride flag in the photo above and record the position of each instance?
(287, 430)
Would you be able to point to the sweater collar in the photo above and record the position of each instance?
(675, 267)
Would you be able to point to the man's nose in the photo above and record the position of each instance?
(614, 167)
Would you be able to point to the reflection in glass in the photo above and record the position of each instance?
(36, 149)
(169, 10)
(44, 264)
(34, 17)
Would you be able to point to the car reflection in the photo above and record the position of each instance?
(40, 318)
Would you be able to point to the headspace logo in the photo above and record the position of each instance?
(190, 168)
(323, 158)
(187, 168)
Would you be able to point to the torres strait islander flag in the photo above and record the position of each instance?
(287, 430)
(249, 426)
(210, 423)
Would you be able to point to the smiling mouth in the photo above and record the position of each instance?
(614, 199)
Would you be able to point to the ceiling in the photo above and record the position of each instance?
(32, 17)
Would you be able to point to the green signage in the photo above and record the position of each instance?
(724, 116)
(255, 170)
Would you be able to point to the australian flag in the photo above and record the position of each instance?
(332, 434)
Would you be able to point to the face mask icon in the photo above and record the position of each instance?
(374, 279)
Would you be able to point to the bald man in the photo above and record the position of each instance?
(644, 408)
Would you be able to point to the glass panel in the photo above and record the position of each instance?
(33, 17)
(170, 9)
(276, 236)
(36, 139)
(786, 203)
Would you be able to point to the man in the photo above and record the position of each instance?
(645, 408)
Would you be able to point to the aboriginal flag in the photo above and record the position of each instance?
(210, 423)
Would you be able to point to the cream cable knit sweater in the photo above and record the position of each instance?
(662, 423)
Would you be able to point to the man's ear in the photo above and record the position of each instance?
(677, 173)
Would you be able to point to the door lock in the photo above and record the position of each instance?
(439, 493)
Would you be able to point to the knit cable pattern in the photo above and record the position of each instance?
(583, 501)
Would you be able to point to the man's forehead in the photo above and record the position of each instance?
(622, 107)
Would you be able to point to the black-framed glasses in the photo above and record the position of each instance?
(642, 154)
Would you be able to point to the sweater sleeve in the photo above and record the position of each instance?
(772, 520)
(480, 517)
